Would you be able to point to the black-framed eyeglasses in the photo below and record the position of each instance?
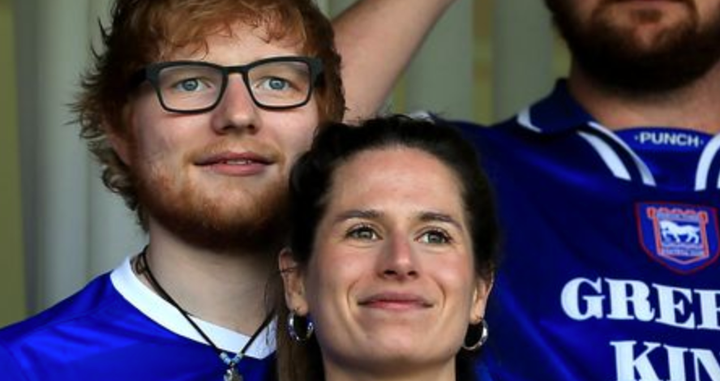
(189, 87)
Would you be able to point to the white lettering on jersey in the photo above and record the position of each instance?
(582, 299)
(645, 365)
(582, 304)
(671, 138)
(625, 294)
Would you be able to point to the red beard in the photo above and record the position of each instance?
(258, 226)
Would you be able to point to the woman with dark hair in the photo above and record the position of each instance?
(392, 255)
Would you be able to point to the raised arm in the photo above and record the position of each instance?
(377, 39)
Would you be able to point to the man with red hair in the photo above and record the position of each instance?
(196, 111)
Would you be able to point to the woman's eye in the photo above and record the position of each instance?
(362, 233)
(435, 237)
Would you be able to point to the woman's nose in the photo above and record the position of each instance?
(398, 259)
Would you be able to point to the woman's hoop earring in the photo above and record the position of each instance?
(305, 333)
(485, 331)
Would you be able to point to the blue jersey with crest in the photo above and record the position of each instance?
(117, 329)
(610, 244)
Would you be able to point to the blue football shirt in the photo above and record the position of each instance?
(610, 244)
(117, 329)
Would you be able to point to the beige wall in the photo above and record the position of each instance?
(482, 61)
(12, 288)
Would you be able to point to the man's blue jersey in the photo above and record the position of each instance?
(610, 242)
(117, 329)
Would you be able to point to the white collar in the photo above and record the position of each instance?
(160, 311)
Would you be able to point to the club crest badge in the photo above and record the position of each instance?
(683, 238)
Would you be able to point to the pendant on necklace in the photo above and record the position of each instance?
(231, 374)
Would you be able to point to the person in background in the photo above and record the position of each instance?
(391, 258)
(196, 111)
(610, 188)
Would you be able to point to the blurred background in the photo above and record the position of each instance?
(59, 227)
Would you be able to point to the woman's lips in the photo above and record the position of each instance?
(395, 301)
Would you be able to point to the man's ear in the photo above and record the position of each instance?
(293, 282)
(480, 297)
(120, 140)
(120, 145)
